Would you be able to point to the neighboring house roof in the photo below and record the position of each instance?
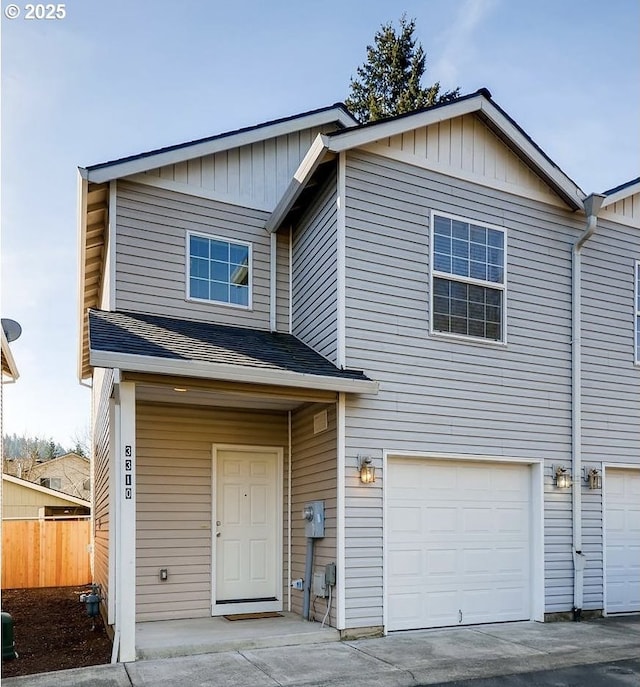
(614, 195)
(166, 345)
(479, 103)
(45, 490)
(64, 457)
(93, 192)
(9, 368)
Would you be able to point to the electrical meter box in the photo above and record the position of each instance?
(313, 514)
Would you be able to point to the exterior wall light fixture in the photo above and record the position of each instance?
(593, 478)
(366, 469)
(563, 478)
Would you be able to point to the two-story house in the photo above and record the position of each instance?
(422, 323)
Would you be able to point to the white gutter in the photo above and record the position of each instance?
(232, 373)
(592, 204)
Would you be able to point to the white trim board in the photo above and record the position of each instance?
(189, 151)
(457, 173)
(234, 373)
(198, 192)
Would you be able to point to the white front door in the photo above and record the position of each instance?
(622, 536)
(247, 519)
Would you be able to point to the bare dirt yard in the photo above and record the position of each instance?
(52, 631)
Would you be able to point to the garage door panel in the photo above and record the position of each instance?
(474, 549)
(622, 536)
(406, 563)
(442, 562)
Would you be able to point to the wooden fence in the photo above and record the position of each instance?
(45, 553)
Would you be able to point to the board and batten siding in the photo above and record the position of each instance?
(174, 476)
(610, 379)
(465, 147)
(101, 470)
(626, 211)
(314, 298)
(152, 226)
(254, 175)
(442, 396)
(313, 478)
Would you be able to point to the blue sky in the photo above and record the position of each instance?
(117, 77)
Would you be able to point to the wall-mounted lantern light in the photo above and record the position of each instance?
(593, 478)
(563, 478)
(366, 469)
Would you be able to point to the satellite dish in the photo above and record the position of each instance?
(12, 329)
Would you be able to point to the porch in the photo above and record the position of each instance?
(170, 638)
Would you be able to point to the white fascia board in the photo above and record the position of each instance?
(7, 356)
(621, 194)
(307, 167)
(566, 188)
(45, 490)
(552, 174)
(230, 373)
(83, 189)
(368, 134)
(218, 144)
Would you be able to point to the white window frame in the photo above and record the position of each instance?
(226, 239)
(433, 273)
(636, 310)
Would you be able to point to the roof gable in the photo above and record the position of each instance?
(467, 148)
(479, 104)
(25, 484)
(622, 203)
(170, 155)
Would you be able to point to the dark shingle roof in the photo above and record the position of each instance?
(175, 339)
(226, 134)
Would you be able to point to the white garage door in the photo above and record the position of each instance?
(458, 543)
(622, 537)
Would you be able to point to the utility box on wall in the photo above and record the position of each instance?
(313, 514)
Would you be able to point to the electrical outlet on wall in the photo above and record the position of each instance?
(298, 584)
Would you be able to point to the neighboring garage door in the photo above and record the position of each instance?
(458, 543)
(622, 537)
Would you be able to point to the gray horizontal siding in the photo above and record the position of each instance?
(152, 225)
(610, 380)
(313, 478)
(314, 274)
(282, 282)
(173, 509)
(103, 381)
(442, 396)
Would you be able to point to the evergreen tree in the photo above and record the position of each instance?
(389, 82)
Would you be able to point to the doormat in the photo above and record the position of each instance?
(253, 616)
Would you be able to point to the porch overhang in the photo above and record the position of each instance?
(127, 362)
(171, 347)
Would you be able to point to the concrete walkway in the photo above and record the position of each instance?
(402, 659)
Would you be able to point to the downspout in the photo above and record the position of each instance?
(592, 204)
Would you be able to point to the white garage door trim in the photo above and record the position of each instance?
(607, 468)
(537, 521)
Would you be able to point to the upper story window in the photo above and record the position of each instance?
(638, 311)
(468, 276)
(219, 270)
(51, 482)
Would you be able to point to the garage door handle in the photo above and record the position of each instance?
(459, 616)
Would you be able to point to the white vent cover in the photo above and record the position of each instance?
(320, 422)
